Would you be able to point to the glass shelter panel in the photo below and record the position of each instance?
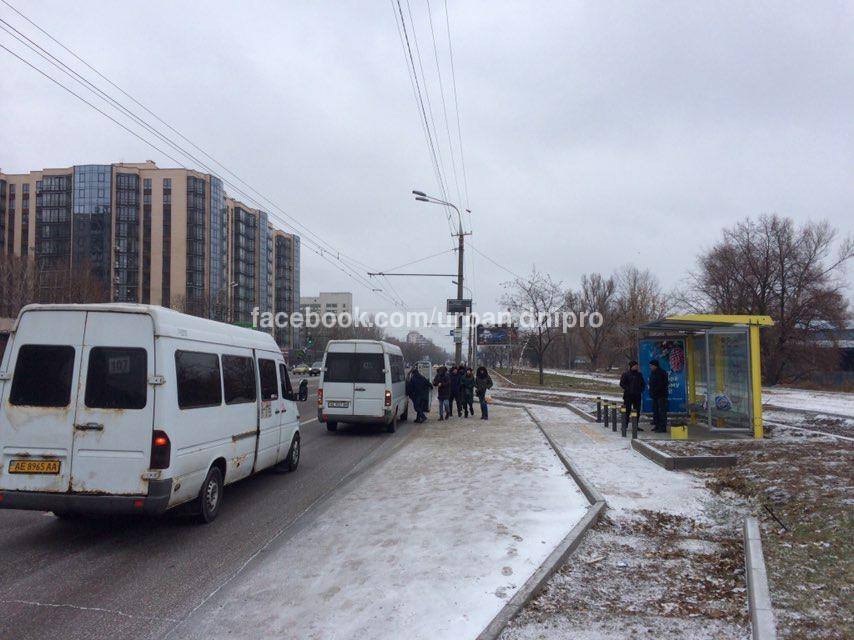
(728, 375)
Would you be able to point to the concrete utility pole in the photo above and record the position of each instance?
(458, 336)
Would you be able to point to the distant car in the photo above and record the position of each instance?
(302, 369)
(315, 369)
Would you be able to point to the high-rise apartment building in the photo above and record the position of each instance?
(170, 237)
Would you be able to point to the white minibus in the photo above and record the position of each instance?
(362, 381)
(112, 408)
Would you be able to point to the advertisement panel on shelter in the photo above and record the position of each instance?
(670, 354)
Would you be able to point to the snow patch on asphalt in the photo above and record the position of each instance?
(431, 543)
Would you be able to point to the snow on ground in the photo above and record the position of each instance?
(834, 402)
(660, 563)
(431, 543)
(598, 376)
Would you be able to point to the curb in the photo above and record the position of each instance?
(758, 594)
(678, 463)
(550, 565)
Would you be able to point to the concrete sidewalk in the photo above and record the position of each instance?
(431, 543)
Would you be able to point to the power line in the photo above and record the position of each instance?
(444, 106)
(457, 105)
(495, 262)
(419, 99)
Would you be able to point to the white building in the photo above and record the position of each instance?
(328, 302)
(413, 337)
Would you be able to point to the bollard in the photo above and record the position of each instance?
(606, 414)
(598, 409)
(623, 421)
(614, 417)
(635, 419)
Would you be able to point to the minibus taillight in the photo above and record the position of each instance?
(161, 450)
(387, 398)
(320, 398)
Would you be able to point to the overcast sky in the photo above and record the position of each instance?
(594, 133)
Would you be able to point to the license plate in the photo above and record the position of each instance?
(34, 466)
(338, 404)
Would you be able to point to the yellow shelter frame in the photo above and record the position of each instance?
(696, 327)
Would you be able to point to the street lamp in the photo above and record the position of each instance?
(423, 197)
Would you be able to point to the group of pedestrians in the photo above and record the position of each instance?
(455, 389)
(633, 384)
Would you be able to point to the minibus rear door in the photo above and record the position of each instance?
(37, 422)
(370, 380)
(113, 424)
(338, 379)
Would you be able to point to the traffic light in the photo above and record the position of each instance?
(309, 341)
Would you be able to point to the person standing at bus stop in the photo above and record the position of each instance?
(482, 382)
(442, 382)
(658, 383)
(633, 384)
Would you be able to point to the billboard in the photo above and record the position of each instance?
(459, 305)
(670, 354)
(494, 335)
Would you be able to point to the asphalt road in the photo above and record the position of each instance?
(139, 578)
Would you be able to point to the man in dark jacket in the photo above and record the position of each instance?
(442, 382)
(456, 376)
(658, 383)
(418, 389)
(482, 383)
(633, 384)
(467, 384)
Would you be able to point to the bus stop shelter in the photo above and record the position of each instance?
(714, 367)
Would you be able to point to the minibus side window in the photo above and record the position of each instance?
(199, 382)
(43, 376)
(267, 373)
(287, 389)
(396, 363)
(117, 378)
(238, 374)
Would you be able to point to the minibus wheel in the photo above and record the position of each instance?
(210, 496)
(292, 461)
(332, 426)
(405, 416)
(391, 427)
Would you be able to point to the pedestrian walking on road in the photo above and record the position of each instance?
(633, 384)
(482, 382)
(467, 388)
(442, 382)
(418, 389)
(456, 376)
(658, 387)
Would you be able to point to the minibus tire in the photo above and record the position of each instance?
(391, 427)
(292, 461)
(405, 416)
(332, 426)
(208, 513)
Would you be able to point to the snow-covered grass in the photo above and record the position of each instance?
(665, 560)
(839, 403)
(431, 543)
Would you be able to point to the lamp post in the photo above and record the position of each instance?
(458, 337)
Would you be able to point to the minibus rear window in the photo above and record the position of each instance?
(238, 375)
(117, 378)
(43, 376)
(198, 379)
(355, 367)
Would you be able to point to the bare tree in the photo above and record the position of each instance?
(540, 298)
(598, 295)
(770, 267)
(639, 299)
